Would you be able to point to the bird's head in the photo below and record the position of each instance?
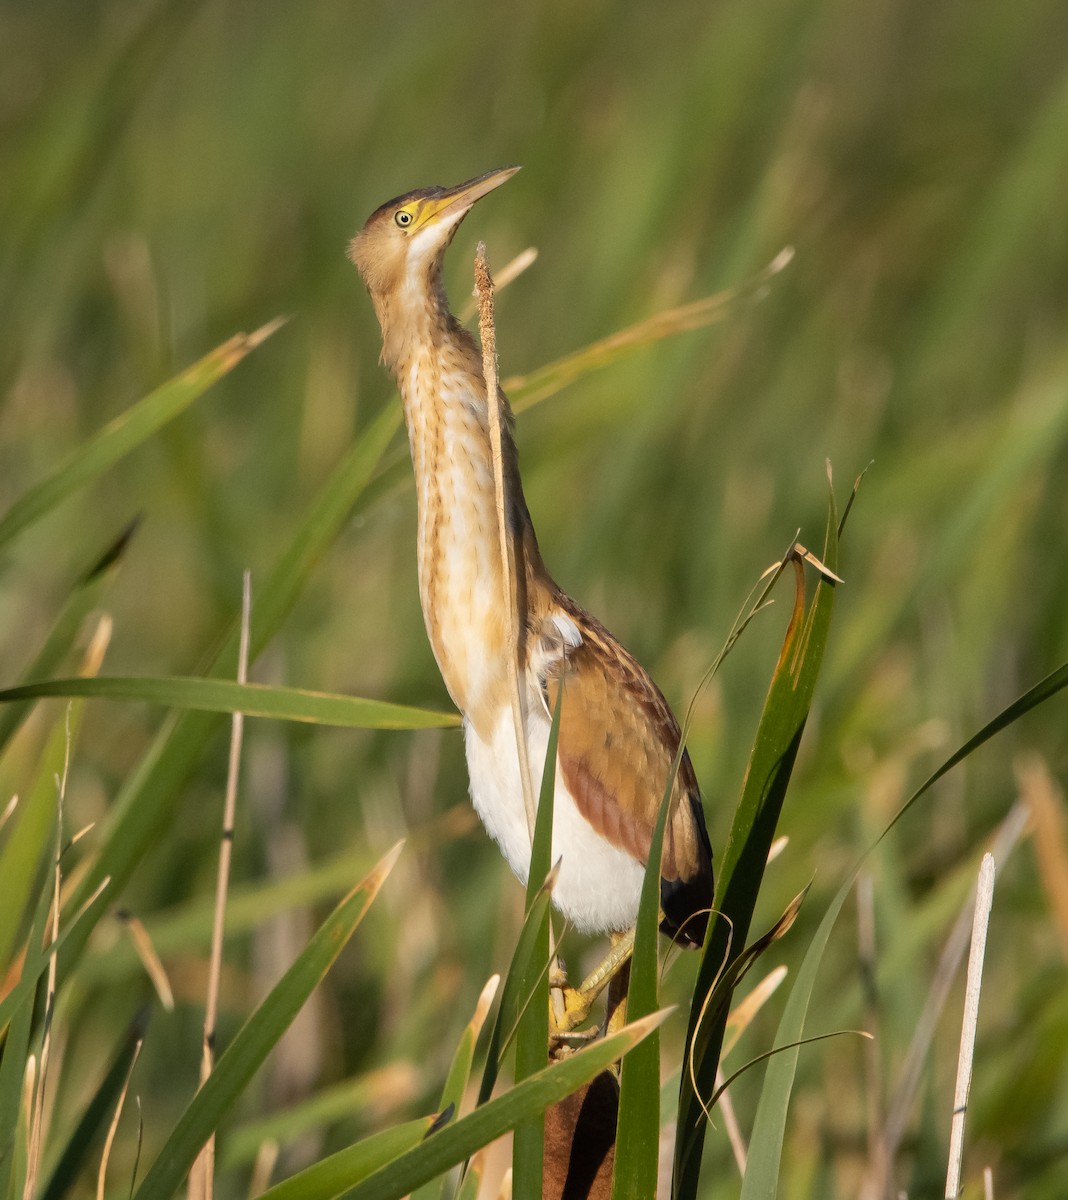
(404, 240)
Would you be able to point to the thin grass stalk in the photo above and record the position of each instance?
(114, 1126)
(1045, 802)
(128, 430)
(203, 1173)
(530, 389)
(984, 899)
(263, 1167)
(495, 404)
(9, 808)
(84, 597)
(29, 1091)
(150, 960)
(878, 1160)
(918, 1055)
(506, 275)
(730, 1123)
(69, 1163)
(36, 1129)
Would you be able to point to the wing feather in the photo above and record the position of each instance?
(618, 739)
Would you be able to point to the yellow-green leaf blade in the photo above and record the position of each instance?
(332, 1175)
(260, 1033)
(457, 1141)
(127, 431)
(84, 596)
(778, 736)
(148, 799)
(229, 696)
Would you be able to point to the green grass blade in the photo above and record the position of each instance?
(82, 140)
(528, 390)
(459, 1075)
(1046, 688)
(36, 963)
(459, 1140)
(229, 696)
(532, 1034)
(84, 597)
(257, 1037)
(762, 1173)
(101, 1105)
(638, 1122)
(147, 801)
(31, 838)
(332, 1175)
(512, 994)
(472, 1180)
(778, 736)
(17, 1041)
(352, 1097)
(460, 1069)
(188, 926)
(90, 460)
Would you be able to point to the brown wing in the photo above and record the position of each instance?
(618, 739)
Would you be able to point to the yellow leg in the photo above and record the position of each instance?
(577, 1002)
(615, 1012)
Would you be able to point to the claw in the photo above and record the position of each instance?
(570, 1007)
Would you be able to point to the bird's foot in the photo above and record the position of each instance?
(569, 1007)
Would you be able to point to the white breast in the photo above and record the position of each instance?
(598, 886)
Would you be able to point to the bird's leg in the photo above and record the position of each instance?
(615, 1009)
(578, 1001)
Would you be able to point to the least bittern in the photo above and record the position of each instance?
(618, 737)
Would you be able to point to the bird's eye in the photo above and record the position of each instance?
(403, 218)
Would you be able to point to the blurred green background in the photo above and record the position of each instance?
(171, 173)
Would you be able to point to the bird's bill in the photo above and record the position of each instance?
(455, 201)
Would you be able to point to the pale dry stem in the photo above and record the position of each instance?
(201, 1176)
(1045, 802)
(494, 405)
(150, 960)
(509, 273)
(9, 808)
(114, 1126)
(874, 1087)
(36, 1124)
(908, 1086)
(731, 1126)
(984, 899)
(263, 1167)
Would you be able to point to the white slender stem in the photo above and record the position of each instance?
(984, 898)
